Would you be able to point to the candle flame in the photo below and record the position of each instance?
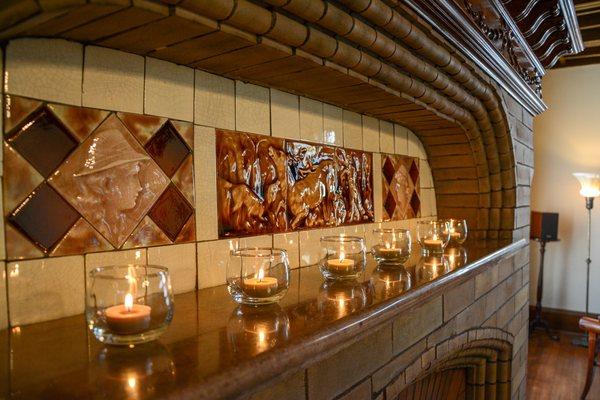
(342, 255)
(435, 236)
(128, 302)
(260, 275)
(387, 245)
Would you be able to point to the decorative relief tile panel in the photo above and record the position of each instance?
(271, 185)
(83, 180)
(401, 187)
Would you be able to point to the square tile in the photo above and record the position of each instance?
(386, 137)
(3, 298)
(290, 243)
(168, 149)
(205, 170)
(256, 241)
(171, 211)
(415, 147)
(214, 101)
(370, 133)
(426, 176)
(310, 246)
(333, 127)
(285, 116)
(48, 69)
(353, 135)
(180, 259)
(142, 126)
(113, 80)
(252, 108)
(212, 262)
(169, 90)
(43, 130)
(124, 257)
(311, 120)
(147, 233)
(400, 140)
(46, 289)
(400, 195)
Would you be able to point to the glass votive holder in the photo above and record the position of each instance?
(128, 304)
(342, 257)
(457, 230)
(258, 275)
(390, 279)
(433, 236)
(431, 267)
(456, 256)
(393, 245)
(337, 299)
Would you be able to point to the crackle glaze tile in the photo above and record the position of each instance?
(370, 133)
(353, 135)
(214, 103)
(333, 126)
(171, 211)
(386, 137)
(111, 181)
(205, 167)
(20, 178)
(142, 126)
(169, 90)
(16, 109)
(212, 258)
(81, 121)
(252, 108)
(311, 120)
(82, 238)
(400, 140)
(184, 178)
(146, 234)
(285, 118)
(180, 259)
(123, 257)
(415, 147)
(290, 243)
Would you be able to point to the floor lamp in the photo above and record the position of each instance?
(590, 188)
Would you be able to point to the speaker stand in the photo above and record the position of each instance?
(537, 321)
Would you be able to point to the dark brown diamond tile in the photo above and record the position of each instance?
(171, 212)
(390, 205)
(44, 217)
(16, 109)
(167, 148)
(415, 204)
(414, 171)
(388, 169)
(43, 141)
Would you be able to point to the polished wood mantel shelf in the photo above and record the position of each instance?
(211, 349)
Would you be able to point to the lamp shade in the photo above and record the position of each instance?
(590, 184)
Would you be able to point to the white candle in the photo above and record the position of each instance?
(128, 318)
(341, 265)
(260, 285)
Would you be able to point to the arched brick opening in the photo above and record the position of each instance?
(369, 56)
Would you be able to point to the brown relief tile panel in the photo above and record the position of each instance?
(16, 109)
(168, 149)
(80, 121)
(401, 187)
(82, 238)
(268, 185)
(171, 212)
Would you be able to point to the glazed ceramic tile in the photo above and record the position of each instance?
(285, 117)
(82, 238)
(42, 130)
(20, 178)
(125, 257)
(214, 101)
(171, 211)
(110, 88)
(80, 121)
(16, 109)
(212, 262)
(386, 137)
(44, 217)
(311, 120)
(310, 246)
(186, 131)
(400, 140)
(167, 148)
(205, 167)
(3, 302)
(370, 133)
(353, 136)
(426, 177)
(290, 243)
(169, 90)
(333, 126)
(142, 126)
(188, 232)
(42, 290)
(111, 181)
(252, 108)
(146, 234)
(400, 187)
(251, 183)
(181, 262)
(45, 69)
(18, 246)
(377, 188)
(255, 241)
(184, 178)
(415, 147)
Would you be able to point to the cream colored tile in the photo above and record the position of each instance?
(333, 125)
(352, 130)
(426, 179)
(2, 240)
(311, 120)
(3, 299)
(113, 80)
(433, 204)
(377, 188)
(180, 259)
(310, 246)
(169, 90)
(370, 128)
(285, 116)
(46, 289)
(427, 203)
(252, 108)
(256, 241)
(354, 230)
(212, 262)
(415, 147)
(290, 243)
(48, 69)
(400, 140)
(214, 101)
(205, 171)
(135, 256)
(370, 238)
(386, 137)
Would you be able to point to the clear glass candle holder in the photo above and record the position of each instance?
(433, 236)
(390, 279)
(456, 256)
(258, 275)
(129, 304)
(431, 267)
(339, 298)
(393, 245)
(342, 257)
(457, 230)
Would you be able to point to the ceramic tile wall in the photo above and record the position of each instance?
(66, 73)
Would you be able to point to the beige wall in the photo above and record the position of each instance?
(567, 140)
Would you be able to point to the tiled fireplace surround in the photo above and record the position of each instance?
(37, 288)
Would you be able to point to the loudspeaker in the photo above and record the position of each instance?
(544, 226)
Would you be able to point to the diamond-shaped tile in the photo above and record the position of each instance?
(18, 246)
(184, 179)
(111, 181)
(167, 148)
(171, 212)
(142, 126)
(146, 234)
(388, 169)
(44, 217)
(415, 203)
(80, 120)
(82, 238)
(20, 178)
(414, 171)
(186, 130)
(188, 232)
(390, 205)
(43, 141)
(16, 109)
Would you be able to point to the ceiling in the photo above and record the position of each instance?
(588, 16)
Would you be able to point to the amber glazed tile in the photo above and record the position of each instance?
(20, 178)
(42, 130)
(18, 246)
(188, 232)
(111, 181)
(80, 120)
(142, 126)
(82, 238)
(400, 186)
(16, 109)
(44, 217)
(184, 178)
(186, 131)
(146, 234)
(171, 212)
(167, 148)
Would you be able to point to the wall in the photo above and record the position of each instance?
(567, 141)
(69, 73)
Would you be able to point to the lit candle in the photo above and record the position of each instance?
(260, 285)
(433, 244)
(128, 318)
(341, 266)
